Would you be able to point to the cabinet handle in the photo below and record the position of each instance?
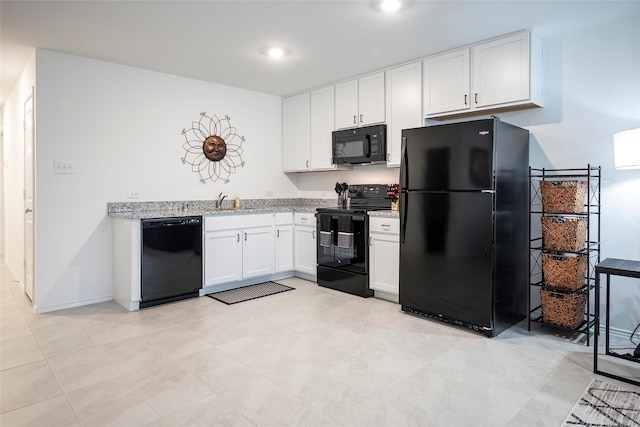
(307, 163)
(386, 226)
(303, 219)
(370, 241)
(277, 233)
(245, 237)
(476, 98)
(361, 119)
(238, 238)
(465, 99)
(313, 234)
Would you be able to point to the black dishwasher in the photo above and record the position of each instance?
(171, 259)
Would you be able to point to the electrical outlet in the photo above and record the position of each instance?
(133, 194)
(64, 167)
(269, 193)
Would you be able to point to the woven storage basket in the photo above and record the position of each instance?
(566, 310)
(563, 196)
(564, 234)
(563, 271)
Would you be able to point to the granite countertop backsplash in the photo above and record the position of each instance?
(183, 208)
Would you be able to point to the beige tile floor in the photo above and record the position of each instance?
(308, 357)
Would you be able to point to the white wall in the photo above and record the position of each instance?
(122, 127)
(592, 90)
(13, 169)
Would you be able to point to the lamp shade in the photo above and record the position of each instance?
(626, 147)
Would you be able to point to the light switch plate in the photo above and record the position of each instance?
(64, 167)
(133, 194)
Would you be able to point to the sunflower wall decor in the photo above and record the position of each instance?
(213, 148)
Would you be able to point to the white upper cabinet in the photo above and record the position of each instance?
(346, 111)
(296, 133)
(322, 124)
(404, 106)
(446, 82)
(498, 75)
(360, 102)
(501, 71)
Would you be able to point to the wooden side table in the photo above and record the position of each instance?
(611, 267)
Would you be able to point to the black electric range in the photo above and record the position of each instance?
(343, 240)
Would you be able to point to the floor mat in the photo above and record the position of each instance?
(604, 404)
(246, 293)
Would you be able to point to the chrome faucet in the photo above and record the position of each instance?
(219, 201)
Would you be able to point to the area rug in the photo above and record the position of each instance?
(246, 293)
(604, 404)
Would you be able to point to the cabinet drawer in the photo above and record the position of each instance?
(304, 218)
(226, 222)
(284, 218)
(384, 225)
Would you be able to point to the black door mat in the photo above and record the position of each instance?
(250, 292)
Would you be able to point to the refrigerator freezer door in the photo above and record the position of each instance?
(454, 157)
(446, 257)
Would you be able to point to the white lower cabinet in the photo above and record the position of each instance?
(384, 255)
(304, 244)
(238, 247)
(284, 242)
(222, 256)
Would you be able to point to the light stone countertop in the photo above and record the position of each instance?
(177, 209)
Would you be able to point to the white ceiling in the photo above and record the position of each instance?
(219, 41)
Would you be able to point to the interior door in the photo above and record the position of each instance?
(28, 197)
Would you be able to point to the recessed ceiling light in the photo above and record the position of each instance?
(389, 6)
(275, 52)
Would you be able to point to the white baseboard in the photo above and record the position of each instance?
(75, 304)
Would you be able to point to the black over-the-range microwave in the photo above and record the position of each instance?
(363, 145)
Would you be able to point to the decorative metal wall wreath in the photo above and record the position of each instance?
(213, 149)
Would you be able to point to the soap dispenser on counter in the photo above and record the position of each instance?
(236, 202)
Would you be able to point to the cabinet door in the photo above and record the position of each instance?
(384, 253)
(257, 252)
(371, 105)
(501, 71)
(222, 257)
(346, 104)
(296, 133)
(446, 83)
(284, 248)
(322, 124)
(404, 106)
(305, 249)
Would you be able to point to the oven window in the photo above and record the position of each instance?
(342, 243)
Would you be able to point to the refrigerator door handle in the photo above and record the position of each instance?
(404, 201)
(489, 191)
(404, 173)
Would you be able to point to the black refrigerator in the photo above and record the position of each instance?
(464, 224)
